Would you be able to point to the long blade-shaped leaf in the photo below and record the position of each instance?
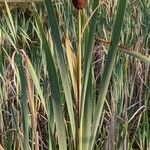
(87, 67)
(55, 91)
(35, 80)
(87, 118)
(138, 56)
(24, 103)
(61, 62)
(88, 55)
(108, 69)
(10, 22)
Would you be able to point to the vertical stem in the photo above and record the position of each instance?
(0, 59)
(1, 52)
(79, 59)
(79, 66)
(126, 123)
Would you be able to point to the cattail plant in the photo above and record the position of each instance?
(78, 4)
(51, 94)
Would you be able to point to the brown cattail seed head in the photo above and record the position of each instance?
(78, 4)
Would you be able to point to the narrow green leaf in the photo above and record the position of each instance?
(87, 67)
(9, 38)
(24, 103)
(10, 22)
(87, 118)
(88, 54)
(138, 56)
(61, 62)
(108, 69)
(55, 90)
(35, 81)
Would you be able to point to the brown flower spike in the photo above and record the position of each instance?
(78, 4)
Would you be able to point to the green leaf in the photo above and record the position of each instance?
(55, 90)
(108, 69)
(35, 80)
(138, 56)
(24, 103)
(61, 63)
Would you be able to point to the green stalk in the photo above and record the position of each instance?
(1, 38)
(0, 59)
(79, 58)
(79, 65)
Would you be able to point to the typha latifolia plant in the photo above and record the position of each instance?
(50, 88)
(83, 90)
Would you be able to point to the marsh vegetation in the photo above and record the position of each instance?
(75, 79)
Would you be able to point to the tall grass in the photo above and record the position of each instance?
(75, 79)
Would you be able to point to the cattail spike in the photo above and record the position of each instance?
(79, 4)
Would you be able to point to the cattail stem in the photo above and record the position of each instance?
(79, 59)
